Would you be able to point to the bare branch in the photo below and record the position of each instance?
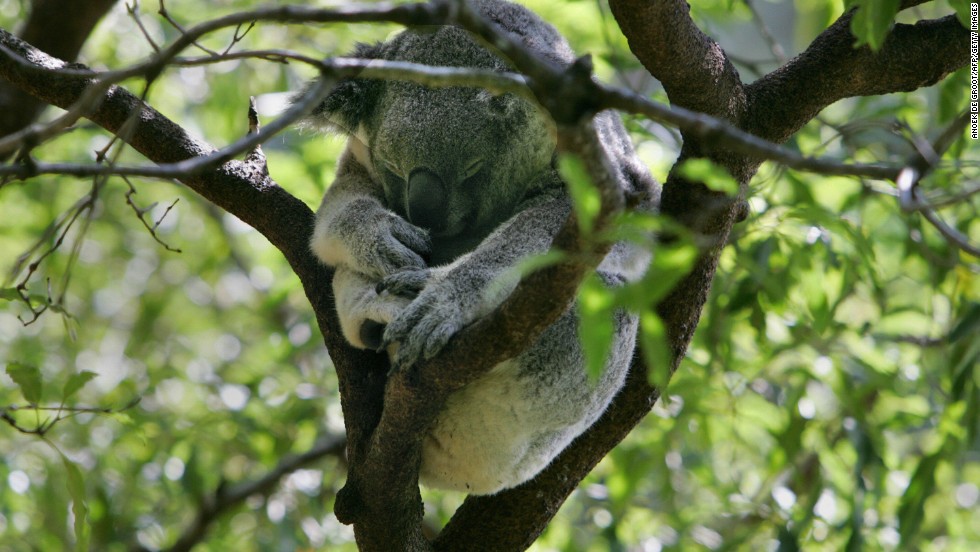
(48, 29)
(953, 236)
(134, 12)
(225, 497)
(141, 212)
(913, 56)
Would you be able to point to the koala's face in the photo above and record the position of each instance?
(455, 161)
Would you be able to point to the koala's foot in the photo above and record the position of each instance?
(364, 313)
(423, 328)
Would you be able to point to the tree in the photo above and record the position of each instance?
(842, 381)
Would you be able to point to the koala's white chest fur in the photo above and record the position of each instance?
(481, 440)
(471, 448)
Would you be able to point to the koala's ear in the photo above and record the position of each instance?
(351, 101)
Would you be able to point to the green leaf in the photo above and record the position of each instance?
(669, 265)
(656, 352)
(585, 196)
(9, 294)
(535, 263)
(953, 93)
(79, 507)
(712, 175)
(596, 326)
(967, 325)
(873, 21)
(911, 510)
(28, 378)
(76, 382)
(962, 8)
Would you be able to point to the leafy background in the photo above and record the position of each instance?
(829, 399)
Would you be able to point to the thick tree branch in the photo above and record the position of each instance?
(686, 61)
(830, 69)
(49, 30)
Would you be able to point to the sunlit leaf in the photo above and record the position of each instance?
(873, 21)
(79, 505)
(656, 351)
(712, 175)
(585, 196)
(596, 324)
(28, 378)
(75, 382)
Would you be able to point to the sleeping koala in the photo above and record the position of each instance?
(438, 196)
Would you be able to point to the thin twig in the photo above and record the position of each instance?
(134, 12)
(225, 496)
(173, 22)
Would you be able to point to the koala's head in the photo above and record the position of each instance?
(455, 161)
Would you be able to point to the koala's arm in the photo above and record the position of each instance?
(355, 230)
(473, 285)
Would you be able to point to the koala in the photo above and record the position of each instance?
(439, 195)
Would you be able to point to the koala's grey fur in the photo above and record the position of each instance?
(438, 196)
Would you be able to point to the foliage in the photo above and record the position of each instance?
(829, 400)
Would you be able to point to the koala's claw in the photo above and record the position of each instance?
(422, 330)
(411, 236)
(405, 283)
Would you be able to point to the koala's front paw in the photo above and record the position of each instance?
(363, 236)
(401, 245)
(425, 326)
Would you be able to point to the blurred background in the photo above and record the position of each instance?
(829, 399)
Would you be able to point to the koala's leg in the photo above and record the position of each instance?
(363, 312)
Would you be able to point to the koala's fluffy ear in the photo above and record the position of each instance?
(350, 101)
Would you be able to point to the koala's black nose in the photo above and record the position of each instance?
(427, 202)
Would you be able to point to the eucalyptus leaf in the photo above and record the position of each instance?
(28, 378)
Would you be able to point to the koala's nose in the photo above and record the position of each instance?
(427, 202)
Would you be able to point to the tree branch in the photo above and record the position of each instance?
(913, 56)
(667, 42)
(225, 498)
(62, 37)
